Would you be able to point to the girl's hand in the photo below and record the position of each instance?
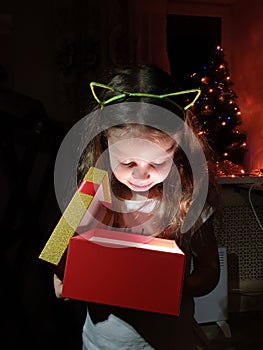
(57, 286)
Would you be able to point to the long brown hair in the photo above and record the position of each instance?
(151, 80)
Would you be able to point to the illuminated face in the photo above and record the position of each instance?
(140, 162)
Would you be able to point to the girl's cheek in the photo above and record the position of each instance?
(115, 167)
(162, 174)
(121, 173)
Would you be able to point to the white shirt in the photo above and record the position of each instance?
(111, 334)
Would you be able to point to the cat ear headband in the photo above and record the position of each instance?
(124, 94)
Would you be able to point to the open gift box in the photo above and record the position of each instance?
(111, 267)
(124, 269)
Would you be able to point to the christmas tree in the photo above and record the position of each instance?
(218, 112)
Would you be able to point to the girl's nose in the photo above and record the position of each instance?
(141, 172)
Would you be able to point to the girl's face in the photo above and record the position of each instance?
(140, 162)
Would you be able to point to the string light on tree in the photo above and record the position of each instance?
(218, 111)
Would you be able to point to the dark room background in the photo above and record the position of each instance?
(49, 52)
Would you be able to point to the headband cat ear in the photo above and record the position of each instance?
(187, 97)
(103, 86)
(184, 105)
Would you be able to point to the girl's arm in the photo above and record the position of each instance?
(206, 267)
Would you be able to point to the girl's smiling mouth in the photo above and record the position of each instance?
(140, 187)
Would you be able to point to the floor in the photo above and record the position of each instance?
(246, 332)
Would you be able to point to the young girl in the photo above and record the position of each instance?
(161, 186)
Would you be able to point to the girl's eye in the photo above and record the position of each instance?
(160, 164)
(127, 164)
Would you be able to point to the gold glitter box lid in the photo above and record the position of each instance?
(94, 187)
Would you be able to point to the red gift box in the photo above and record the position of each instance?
(124, 269)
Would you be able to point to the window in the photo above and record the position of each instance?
(190, 40)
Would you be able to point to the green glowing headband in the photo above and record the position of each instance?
(124, 94)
